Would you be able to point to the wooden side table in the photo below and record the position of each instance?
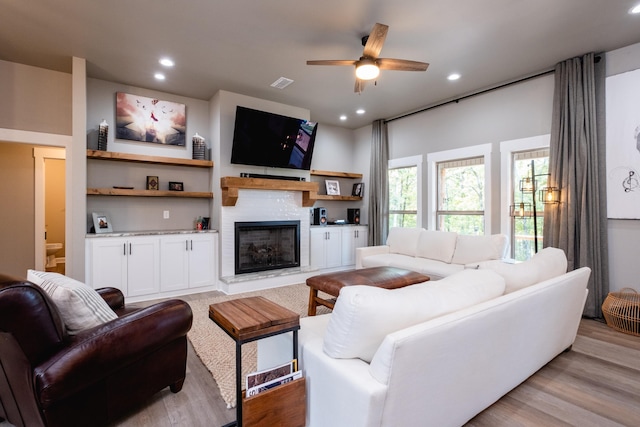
(250, 319)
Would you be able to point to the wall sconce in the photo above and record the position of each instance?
(549, 195)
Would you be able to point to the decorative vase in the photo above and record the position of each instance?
(103, 132)
(198, 147)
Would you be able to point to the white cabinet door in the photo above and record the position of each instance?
(202, 271)
(143, 269)
(316, 248)
(107, 266)
(325, 247)
(174, 263)
(187, 261)
(352, 237)
(362, 237)
(333, 247)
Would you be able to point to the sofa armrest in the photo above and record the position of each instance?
(96, 353)
(366, 251)
(112, 296)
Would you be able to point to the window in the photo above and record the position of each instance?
(516, 156)
(461, 196)
(522, 229)
(405, 189)
(460, 190)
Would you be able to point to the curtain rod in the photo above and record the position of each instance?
(422, 110)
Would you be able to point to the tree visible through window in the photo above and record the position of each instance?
(461, 196)
(403, 197)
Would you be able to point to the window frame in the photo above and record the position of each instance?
(482, 150)
(507, 148)
(406, 162)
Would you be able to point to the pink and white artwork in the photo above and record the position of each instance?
(139, 118)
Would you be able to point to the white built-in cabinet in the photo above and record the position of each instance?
(325, 249)
(186, 261)
(152, 266)
(353, 237)
(334, 246)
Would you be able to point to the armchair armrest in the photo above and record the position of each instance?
(368, 251)
(96, 353)
(113, 297)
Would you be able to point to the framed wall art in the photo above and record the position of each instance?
(623, 145)
(101, 223)
(143, 119)
(333, 187)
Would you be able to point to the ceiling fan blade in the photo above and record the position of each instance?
(359, 87)
(375, 41)
(332, 62)
(401, 64)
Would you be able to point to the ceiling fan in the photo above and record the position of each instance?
(369, 65)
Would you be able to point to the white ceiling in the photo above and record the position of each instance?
(243, 46)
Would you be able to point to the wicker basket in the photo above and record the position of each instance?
(622, 311)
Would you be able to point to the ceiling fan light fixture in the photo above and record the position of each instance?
(366, 69)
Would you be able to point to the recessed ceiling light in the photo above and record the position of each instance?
(453, 76)
(360, 111)
(634, 10)
(159, 76)
(167, 62)
(343, 117)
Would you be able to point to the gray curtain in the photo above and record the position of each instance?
(578, 225)
(379, 186)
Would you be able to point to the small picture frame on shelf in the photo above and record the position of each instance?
(101, 223)
(333, 187)
(152, 183)
(358, 189)
(175, 186)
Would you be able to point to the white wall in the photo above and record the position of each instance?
(514, 112)
(624, 235)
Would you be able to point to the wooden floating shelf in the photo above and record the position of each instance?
(231, 184)
(148, 193)
(341, 198)
(140, 158)
(350, 175)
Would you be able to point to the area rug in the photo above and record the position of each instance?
(218, 351)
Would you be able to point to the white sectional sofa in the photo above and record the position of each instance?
(435, 253)
(437, 353)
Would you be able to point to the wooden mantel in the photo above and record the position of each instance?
(231, 184)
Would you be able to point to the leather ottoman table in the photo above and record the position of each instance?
(382, 277)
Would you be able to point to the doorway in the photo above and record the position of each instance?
(49, 197)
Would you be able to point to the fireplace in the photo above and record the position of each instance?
(266, 245)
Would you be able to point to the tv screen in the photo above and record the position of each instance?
(267, 139)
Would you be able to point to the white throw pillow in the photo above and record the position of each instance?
(437, 245)
(80, 306)
(403, 240)
(470, 249)
(364, 315)
(546, 264)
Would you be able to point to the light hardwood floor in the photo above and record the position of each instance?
(597, 383)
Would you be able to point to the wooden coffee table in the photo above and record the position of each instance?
(250, 319)
(381, 277)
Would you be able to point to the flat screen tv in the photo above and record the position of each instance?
(272, 140)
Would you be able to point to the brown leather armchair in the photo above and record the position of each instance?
(50, 378)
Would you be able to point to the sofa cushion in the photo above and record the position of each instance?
(546, 264)
(437, 245)
(364, 315)
(470, 249)
(80, 306)
(403, 240)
